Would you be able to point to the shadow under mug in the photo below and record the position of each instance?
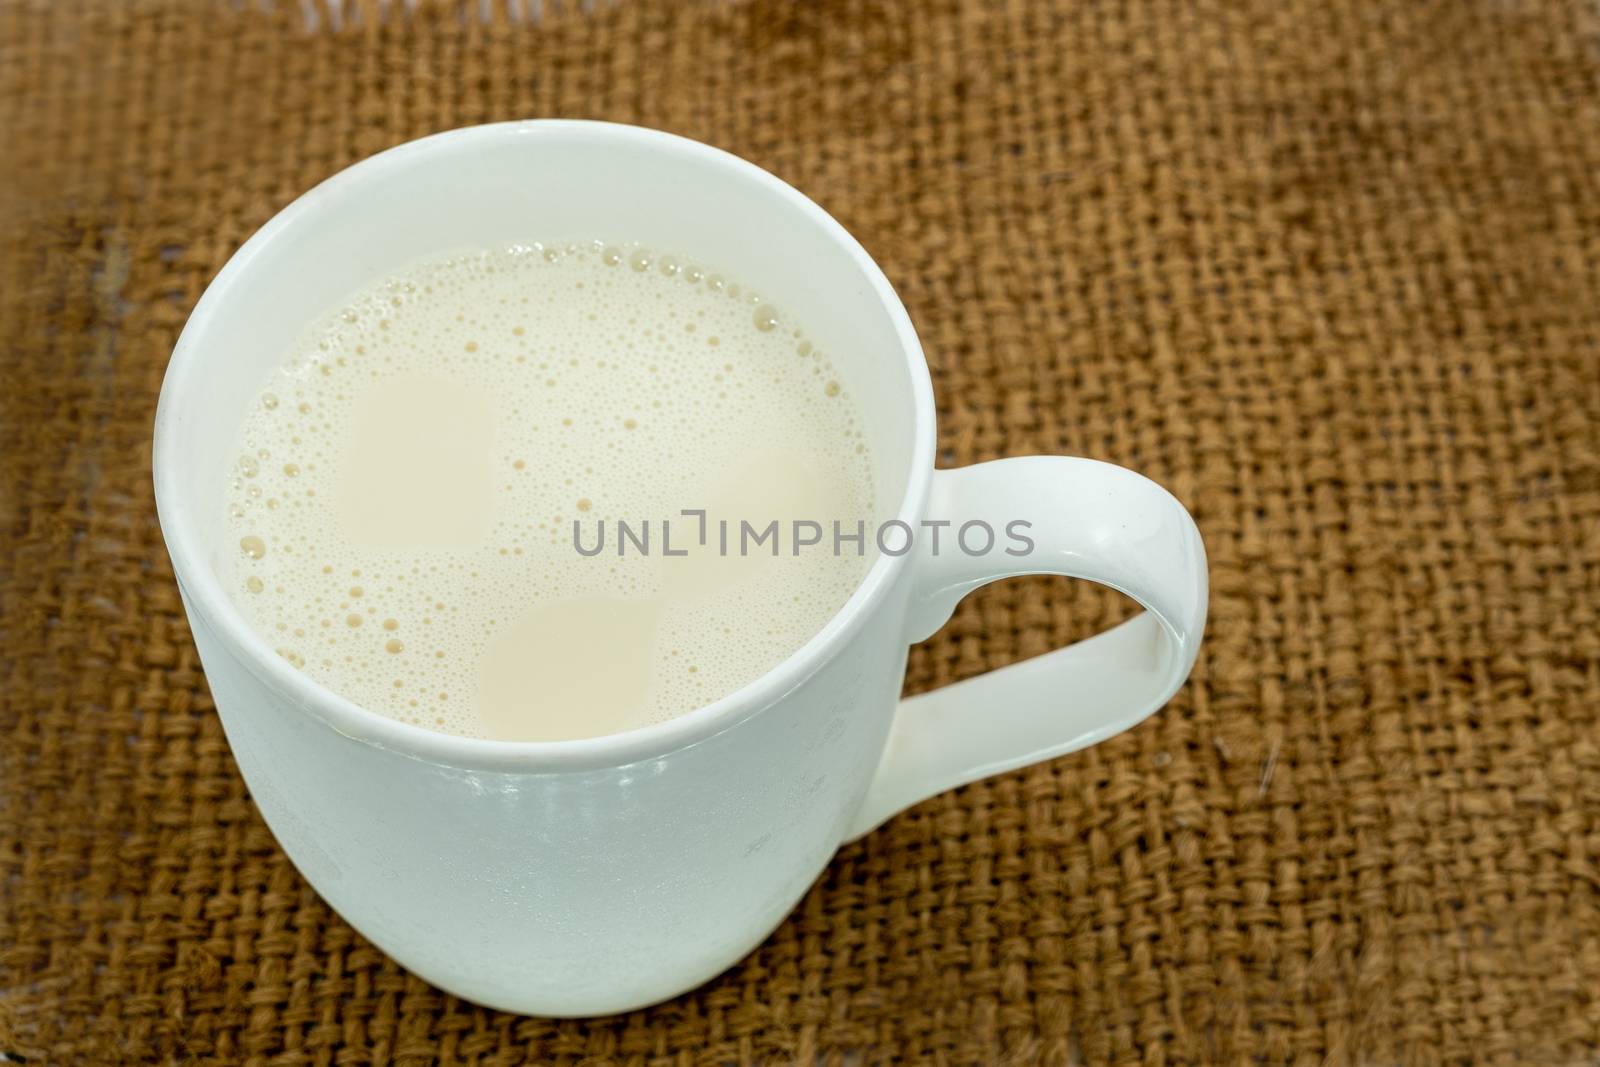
(598, 875)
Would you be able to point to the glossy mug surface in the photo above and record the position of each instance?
(598, 875)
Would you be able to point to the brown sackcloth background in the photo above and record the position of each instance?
(1329, 269)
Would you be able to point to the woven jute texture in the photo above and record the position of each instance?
(1328, 269)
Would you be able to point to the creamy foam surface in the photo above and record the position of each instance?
(403, 492)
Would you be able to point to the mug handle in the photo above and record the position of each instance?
(1087, 520)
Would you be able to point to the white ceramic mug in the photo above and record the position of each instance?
(593, 876)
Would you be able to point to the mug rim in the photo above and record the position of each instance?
(202, 589)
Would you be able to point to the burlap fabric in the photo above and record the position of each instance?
(1328, 269)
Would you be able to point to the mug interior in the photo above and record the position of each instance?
(523, 182)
